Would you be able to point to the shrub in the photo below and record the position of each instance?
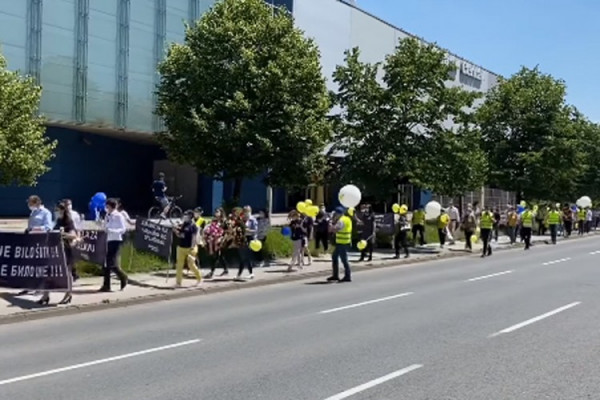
(277, 245)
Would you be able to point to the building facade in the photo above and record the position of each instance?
(96, 61)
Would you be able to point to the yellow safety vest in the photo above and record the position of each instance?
(344, 236)
(200, 222)
(443, 221)
(581, 215)
(487, 220)
(418, 218)
(553, 218)
(527, 219)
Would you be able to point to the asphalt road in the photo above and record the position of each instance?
(518, 325)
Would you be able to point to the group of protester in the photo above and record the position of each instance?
(69, 223)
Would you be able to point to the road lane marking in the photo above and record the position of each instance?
(595, 252)
(536, 319)
(364, 303)
(374, 382)
(97, 362)
(478, 278)
(557, 261)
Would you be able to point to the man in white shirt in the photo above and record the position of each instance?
(454, 215)
(589, 217)
(115, 229)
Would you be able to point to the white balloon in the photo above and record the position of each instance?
(584, 202)
(349, 196)
(433, 209)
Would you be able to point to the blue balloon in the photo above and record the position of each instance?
(574, 208)
(520, 209)
(99, 199)
(286, 231)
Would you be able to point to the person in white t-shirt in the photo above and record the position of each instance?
(454, 215)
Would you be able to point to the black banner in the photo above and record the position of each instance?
(385, 223)
(33, 261)
(154, 238)
(91, 247)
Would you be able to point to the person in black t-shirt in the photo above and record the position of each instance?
(187, 249)
(159, 191)
(66, 225)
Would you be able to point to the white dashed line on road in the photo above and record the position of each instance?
(374, 382)
(364, 303)
(557, 261)
(535, 319)
(97, 362)
(595, 252)
(478, 278)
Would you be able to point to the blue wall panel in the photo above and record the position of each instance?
(87, 163)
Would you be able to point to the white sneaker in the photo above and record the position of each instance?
(251, 276)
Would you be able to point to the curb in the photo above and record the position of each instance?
(175, 295)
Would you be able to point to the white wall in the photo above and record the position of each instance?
(337, 26)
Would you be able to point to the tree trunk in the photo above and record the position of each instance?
(237, 190)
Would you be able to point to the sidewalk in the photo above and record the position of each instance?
(145, 288)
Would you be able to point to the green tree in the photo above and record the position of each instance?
(24, 148)
(588, 182)
(407, 125)
(532, 142)
(245, 95)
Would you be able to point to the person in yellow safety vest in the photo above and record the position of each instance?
(418, 225)
(442, 225)
(553, 221)
(580, 221)
(200, 224)
(526, 226)
(486, 225)
(343, 241)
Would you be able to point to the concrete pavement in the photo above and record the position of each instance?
(520, 325)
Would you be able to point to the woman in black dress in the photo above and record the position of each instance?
(66, 225)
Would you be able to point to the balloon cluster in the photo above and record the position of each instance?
(306, 207)
(400, 209)
(584, 202)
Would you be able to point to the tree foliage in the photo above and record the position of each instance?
(399, 119)
(24, 148)
(245, 94)
(531, 137)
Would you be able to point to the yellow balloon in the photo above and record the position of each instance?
(301, 207)
(362, 245)
(312, 211)
(396, 208)
(403, 209)
(308, 202)
(474, 239)
(256, 245)
(351, 211)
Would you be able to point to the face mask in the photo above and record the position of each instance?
(70, 207)
(186, 219)
(32, 208)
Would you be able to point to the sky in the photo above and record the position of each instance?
(562, 37)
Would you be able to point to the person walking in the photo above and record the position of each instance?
(469, 225)
(308, 223)
(65, 224)
(264, 225)
(512, 221)
(553, 221)
(567, 216)
(40, 221)
(298, 236)
(214, 235)
(115, 229)
(418, 225)
(454, 215)
(251, 229)
(74, 214)
(187, 248)
(322, 229)
(486, 224)
(241, 238)
(401, 235)
(343, 241)
(589, 217)
(367, 220)
(527, 226)
(497, 220)
(443, 221)
(581, 221)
